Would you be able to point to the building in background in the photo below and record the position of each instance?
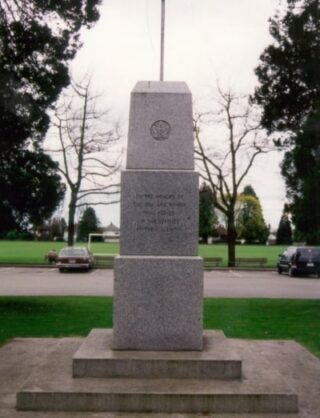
(111, 233)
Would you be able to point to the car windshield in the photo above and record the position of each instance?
(73, 252)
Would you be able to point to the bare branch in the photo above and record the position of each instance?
(87, 147)
(112, 202)
(225, 169)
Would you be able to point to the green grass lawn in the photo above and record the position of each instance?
(238, 318)
(270, 252)
(33, 252)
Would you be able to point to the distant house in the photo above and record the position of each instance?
(272, 239)
(110, 233)
(220, 235)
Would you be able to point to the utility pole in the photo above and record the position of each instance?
(163, 18)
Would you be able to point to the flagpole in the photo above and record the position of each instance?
(163, 17)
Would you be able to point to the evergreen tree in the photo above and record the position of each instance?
(301, 168)
(249, 191)
(289, 94)
(284, 232)
(89, 224)
(37, 41)
(30, 190)
(57, 227)
(289, 69)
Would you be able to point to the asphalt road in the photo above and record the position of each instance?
(226, 283)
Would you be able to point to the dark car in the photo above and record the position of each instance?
(300, 260)
(73, 258)
(284, 259)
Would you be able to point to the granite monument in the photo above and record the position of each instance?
(158, 286)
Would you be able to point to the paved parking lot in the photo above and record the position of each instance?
(218, 283)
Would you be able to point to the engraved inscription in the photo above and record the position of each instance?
(159, 212)
(160, 130)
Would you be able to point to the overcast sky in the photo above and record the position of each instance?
(205, 40)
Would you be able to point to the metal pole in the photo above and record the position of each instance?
(163, 18)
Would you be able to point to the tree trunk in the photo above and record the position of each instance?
(71, 229)
(232, 235)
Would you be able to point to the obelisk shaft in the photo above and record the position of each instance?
(158, 284)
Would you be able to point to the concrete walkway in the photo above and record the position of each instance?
(217, 283)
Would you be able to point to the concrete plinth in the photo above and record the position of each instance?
(298, 369)
(52, 388)
(157, 303)
(95, 358)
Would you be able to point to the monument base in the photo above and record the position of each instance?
(52, 388)
(158, 303)
(95, 358)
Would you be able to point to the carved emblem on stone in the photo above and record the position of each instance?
(160, 130)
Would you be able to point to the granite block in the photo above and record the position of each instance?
(159, 213)
(160, 128)
(158, 303)
(217, 360)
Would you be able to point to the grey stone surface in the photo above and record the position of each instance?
(95, 358)
(157, 402)
(158, 286)
(159, 213)
(160, 128)
(158, 303)
(272, 371)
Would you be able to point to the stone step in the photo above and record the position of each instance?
(154, 402)
(95, 358)
(59, 414)
(52, 388)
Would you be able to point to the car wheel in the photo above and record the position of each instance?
(292, 273)
(61, 270)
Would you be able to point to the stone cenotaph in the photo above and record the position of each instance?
(157, 359)
(158, 287)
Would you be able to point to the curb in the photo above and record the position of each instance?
(52, 266)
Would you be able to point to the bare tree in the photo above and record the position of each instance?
(88, 151)
(224, 163)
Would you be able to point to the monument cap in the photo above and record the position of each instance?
(161, 87)
(160, 129)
